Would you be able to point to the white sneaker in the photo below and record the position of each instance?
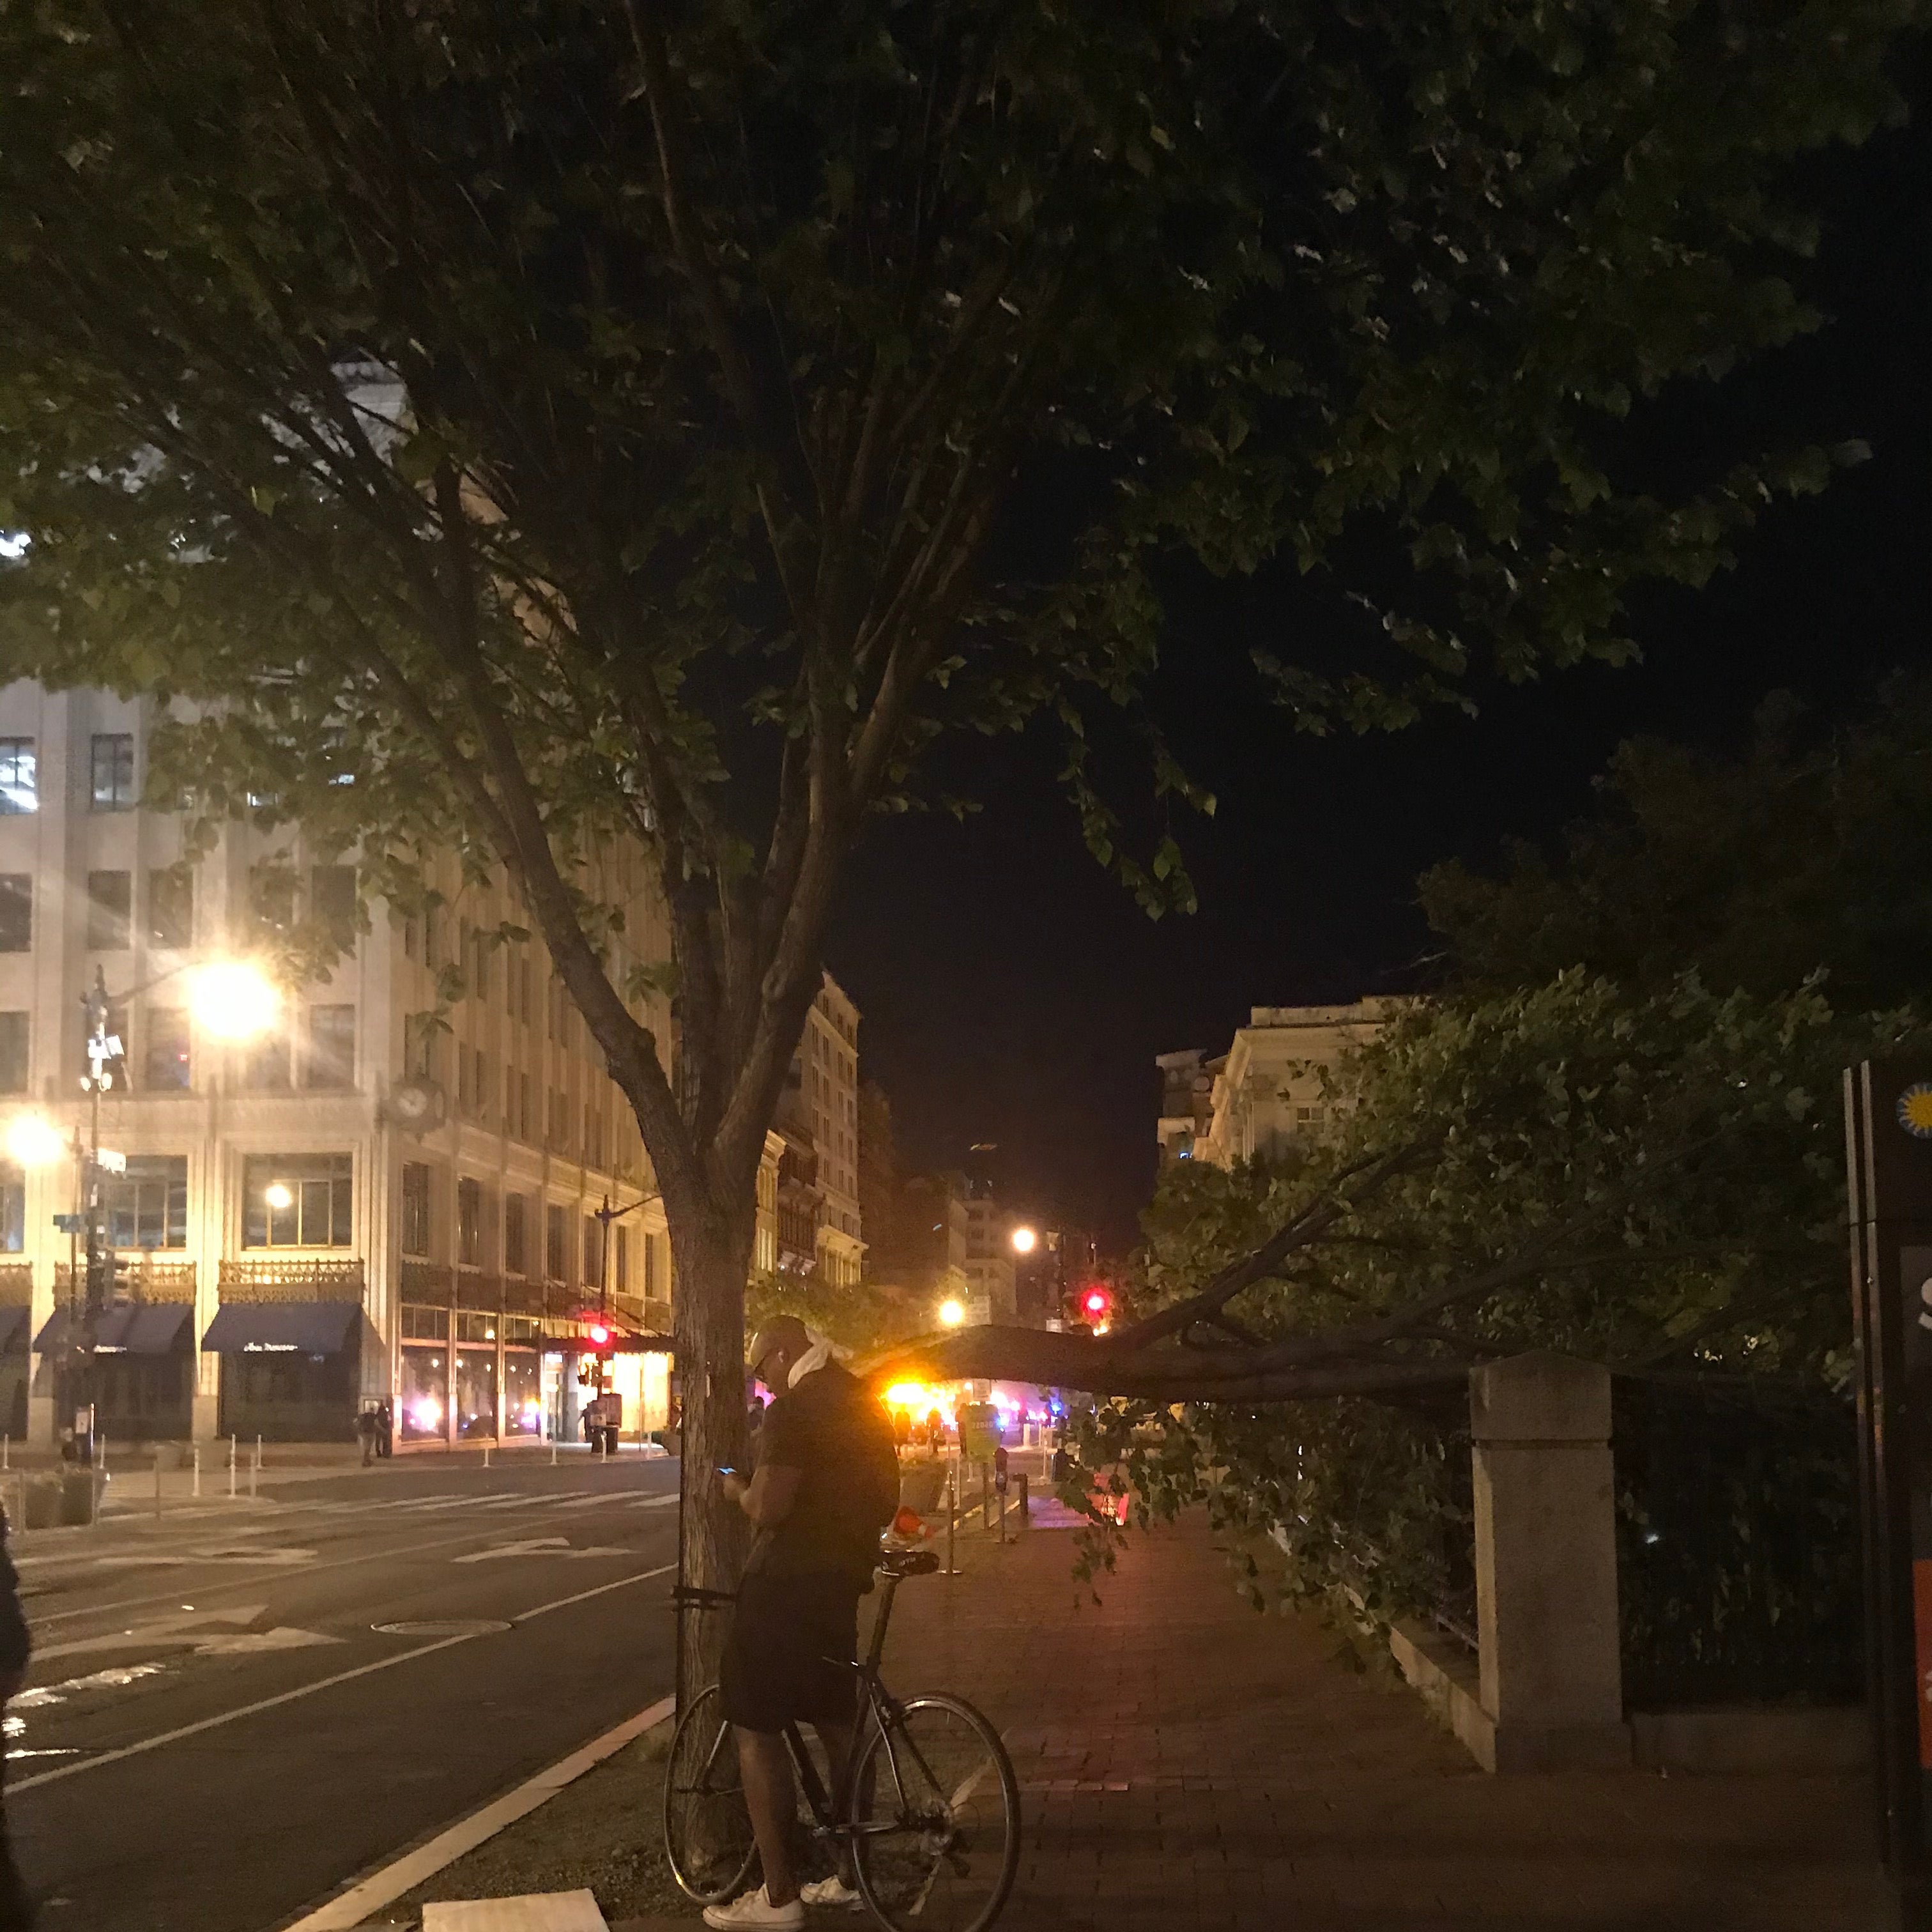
(754, 1909)
(833, 1891)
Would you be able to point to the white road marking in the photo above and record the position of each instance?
(115, 1679)
(261, 1704)
(351, 1908)
(657, 1502)
(162, 1629)
(286, 1558)
(249, 1643)
(542, 1546)
(583, 1596)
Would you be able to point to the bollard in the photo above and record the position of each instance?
(232, 1459)
(255, 1470)
(553, 1452)
(985, 1495)
(6, 1449)
(197, 1472)
(158, 1480)
(486, 1455)
(1026, 1503)
(951, 1514)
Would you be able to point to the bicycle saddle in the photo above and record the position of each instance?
(907, 1562)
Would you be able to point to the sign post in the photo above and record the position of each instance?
(1889, 1160)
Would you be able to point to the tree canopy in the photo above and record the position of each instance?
(528, 425)
(1810, 851)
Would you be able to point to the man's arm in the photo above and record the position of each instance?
(769, 1497)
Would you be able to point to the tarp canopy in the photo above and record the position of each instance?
(283, 1328)
(148, 1328)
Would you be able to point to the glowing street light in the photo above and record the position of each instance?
(1025, 1240)
(233, 999)
(952, 1313)
(34, 1141)
(278, 1195)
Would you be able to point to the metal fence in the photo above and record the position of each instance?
(1738, 1571)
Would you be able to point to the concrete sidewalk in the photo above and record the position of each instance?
(1187, 1762)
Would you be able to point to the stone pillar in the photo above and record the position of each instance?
(1551, 1681)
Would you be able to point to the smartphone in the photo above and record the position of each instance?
(724, 1471)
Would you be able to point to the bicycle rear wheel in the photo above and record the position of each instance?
(936, 1818)
(707, 1829)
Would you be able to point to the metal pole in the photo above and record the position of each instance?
(232, 1459)
(255, 1470)
(197, 1472)
(486, 1455)
(951, 1514)
(157, 1479)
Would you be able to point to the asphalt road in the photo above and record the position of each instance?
(217, 1730)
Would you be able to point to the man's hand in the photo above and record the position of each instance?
(734, 1485)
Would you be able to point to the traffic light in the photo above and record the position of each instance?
(1094, 1305)
(600, 1336)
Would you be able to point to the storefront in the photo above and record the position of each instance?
(291, 1371)
(143, 1369)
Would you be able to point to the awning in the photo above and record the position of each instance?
(282, 1328)
(13, 1329)
(151, 1328)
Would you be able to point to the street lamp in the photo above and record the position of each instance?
(952, 1313)
(1025, 1240)
(34, 1141)
(278, 1195)
(232, 999)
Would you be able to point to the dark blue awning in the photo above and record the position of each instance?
(13, 1329)
(282, 1328)
(151, 1328)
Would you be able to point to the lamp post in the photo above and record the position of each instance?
(231, 1000)
(606, 1215)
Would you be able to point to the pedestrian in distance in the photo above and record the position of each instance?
(365, 1430)
(827, 1483)
(385, 1426)
(901, 1430)
(16, 1909)
(935, 1433)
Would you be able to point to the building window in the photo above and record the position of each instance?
(479, 977)
(17, 912)
(167, 1068)
(623, 1268)
(409, 939)
(479, 1085)
(330, 1060)
(469, 1222)
(422, 1037)
(593, 1252)
(331, 899)
(171, 907)
(266, 1070)
(19, 787)
(432, 938)
(556, 1226)
(271, 897)
(109, 896)
(13, 1053)
(514, 1234)
(147, 1207)
(416, 1208)
(651, 1292)
(113, 778)
(297, 1201)
(523, 985)
(13, 1209)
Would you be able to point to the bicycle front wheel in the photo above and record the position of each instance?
(935, 1819)
(707, 1829)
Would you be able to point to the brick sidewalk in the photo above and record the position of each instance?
(1185, 1762)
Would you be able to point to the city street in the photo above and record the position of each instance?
(235, 1708)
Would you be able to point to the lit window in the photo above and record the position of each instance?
(298, 1201)
(113, 771)
(19, 787)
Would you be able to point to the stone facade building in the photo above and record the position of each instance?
(393, 1192)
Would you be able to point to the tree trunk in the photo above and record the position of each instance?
(708, 1326)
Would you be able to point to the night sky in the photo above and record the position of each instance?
(1013, 993)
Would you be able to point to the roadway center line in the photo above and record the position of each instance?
(309, 1689)
(410, 1549)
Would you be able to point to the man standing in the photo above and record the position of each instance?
(827, 1483)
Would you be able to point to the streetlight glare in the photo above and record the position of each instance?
(1024, 1240)
(952, 1313)
(233, 1000)
(34, 1141)
(276, 1194)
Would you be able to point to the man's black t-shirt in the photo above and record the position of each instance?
(837, 1436)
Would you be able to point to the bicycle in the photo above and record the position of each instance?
(932, 1819)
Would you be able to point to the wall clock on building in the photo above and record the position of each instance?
(415, 1105)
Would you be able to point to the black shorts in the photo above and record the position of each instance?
(788, 1659)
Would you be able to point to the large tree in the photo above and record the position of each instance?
(539, 421)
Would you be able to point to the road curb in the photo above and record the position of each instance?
(384, 1886)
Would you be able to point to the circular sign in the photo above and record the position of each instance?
(1915, 1110)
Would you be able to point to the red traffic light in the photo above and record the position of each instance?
(599, 1334)
(1097, 1301)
